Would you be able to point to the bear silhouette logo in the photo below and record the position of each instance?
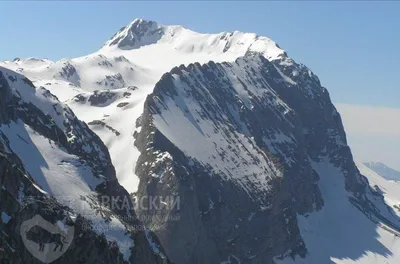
(44, 240)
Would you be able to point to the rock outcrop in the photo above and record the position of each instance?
(235, 142)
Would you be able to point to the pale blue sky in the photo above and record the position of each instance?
(352, 46)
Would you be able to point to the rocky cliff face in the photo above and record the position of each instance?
(48, 156)
(236, 142)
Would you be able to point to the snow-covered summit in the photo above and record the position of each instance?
(142, 32)
(138, 33)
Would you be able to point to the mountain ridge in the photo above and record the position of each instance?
(133, 36)
(383, 170)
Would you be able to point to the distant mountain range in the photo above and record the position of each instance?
(383, 170)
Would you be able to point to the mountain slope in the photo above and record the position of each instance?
(54, 166)
(389, 189)
(340, 232)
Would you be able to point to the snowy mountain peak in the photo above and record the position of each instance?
(30, 62)
(142, 32)
(138, 33)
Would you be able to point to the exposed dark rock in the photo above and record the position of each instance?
(101, 123)
(68, 73)
(122, 104)
(134, 35)
(100, 98)
(132, 88)
(121, 59)
(113, 81)
(105, 63)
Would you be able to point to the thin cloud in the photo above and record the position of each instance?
(368, 120)
(373, 133)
